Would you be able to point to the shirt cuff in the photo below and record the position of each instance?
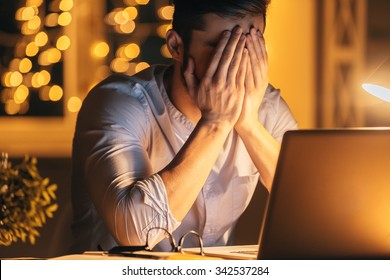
(155, 196)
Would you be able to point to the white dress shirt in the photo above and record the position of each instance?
(127, 131)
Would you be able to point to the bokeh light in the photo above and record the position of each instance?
(66, 5)
(55, 93)
(25, 65)
(35, 53)
(63, 43)
(51, 20)
(21, 93)
(142, 2)
(141, 66)
(119, 65)
(100, 49)
(64, 19)
(74, 104)
(166, 13)
(41, 39)
(31, 49)
(131, 51)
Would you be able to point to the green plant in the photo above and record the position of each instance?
(26, 200)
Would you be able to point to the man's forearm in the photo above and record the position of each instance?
(262, 148)
(186, 174)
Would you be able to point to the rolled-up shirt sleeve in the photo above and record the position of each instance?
(148, 206)
(275, 114)
(127, 193)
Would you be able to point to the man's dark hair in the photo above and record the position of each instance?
(188, 14)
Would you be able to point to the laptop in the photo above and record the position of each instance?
(330, 199)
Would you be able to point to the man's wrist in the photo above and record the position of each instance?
(245, 126)
(216, 125)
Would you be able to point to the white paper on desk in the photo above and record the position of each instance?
(238, 252)
(99, 255)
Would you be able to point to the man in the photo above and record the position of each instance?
(180, 147)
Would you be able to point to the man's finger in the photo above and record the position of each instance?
(263, 48)
(258, 57)
(236, 61)
(242, 70)
(228, 54)
(217, 54)
(249, 77)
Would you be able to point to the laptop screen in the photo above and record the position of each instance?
(330, 197)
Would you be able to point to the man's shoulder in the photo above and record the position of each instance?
(143, 86)
(137, 94)
(143, 78)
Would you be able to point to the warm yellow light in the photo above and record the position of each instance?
(18, 14)
(142, 2)
(51, 20)
(130, 2)
(55, 93)
(25, 65)
(66, 5)
(27, 79)
(41, 39)
(74, 104)
(44, 93)
(43, 59)
(141, 66)
(31, 49)
(131, 70)
(21, 94)
(24, 107)
(46, 77)
(49, 56)
(163, 29)
(120, 52)
(132, 12)
(34, 23)
(121, 17)
(119, 65)
(378, 84)
(25, 13)
(126, 28)
(165, 52)
(38, 80)
(166, 12)
(6, 79)
(15, 79)
(63, 43)
(37, 3)
(132, 50)
(54, 55)
(110, 18)
(100, 49)
(64, 19)
(26, 30)
(11, 108)
(14, 64)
